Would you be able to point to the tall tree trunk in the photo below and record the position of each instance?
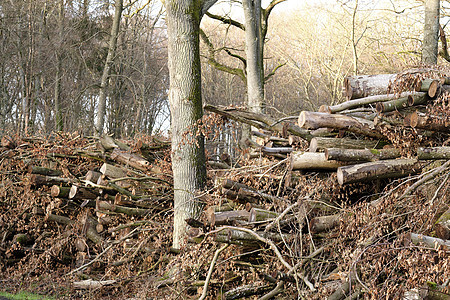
(58, 114)
(188, 155)
(431, 32)
(253, 49)
(107, 69)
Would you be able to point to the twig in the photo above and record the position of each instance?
(281, 216)
(211, 268)
(424, 179)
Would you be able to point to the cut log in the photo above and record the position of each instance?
(320, 143)
(361, 102)
(238, 237)
(93, 176)
(258, 215)
(43, 171)
(397, 104)
(377, 170)
(314, 120)
(103, 205)
(431, 86)
(324, 223)
(427, 122)
(227, 217)
(357, 155)
(313, 161)
(247, 291)
(442, 226)
(367, 85)
(36, 179)
(111, 171)
(81, 193)
(130, 159)
(429, 241)
(59, 191)
(92, 284)
(433, 153)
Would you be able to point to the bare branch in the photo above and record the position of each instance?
(226, 20)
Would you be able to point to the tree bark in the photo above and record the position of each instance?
(107, 68)
(392, 105)
(188, 155)
(377, 170)
(431, 32)
(427, 122)
(367, 85)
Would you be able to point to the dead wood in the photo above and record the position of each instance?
(32, 169)
(367, 85)
(442, 226)
(315, 120)
(431, 242)
(313, 161)
(321, 143)
(357, 155)
(377, 170)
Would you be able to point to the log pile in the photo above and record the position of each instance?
(349, 202)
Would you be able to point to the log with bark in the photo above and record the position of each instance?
(442, 226)
(314, 120)
(427, 122)
(433, 153)
(233, 217)
(377, 170)
(362, 102)
(130, 159)
(324, 223)
(367, 85)
(321, 143)
(313, 161)
(400, 103)
(36, 179)
(360, 155)
(432, 242)
(32, 169)
(431, 86)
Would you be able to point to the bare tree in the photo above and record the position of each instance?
(431, 32)
(107, 68)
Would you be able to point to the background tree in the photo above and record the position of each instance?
(118, 7)
(431, 32)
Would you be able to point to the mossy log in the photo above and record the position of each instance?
(320, 143)
(433, 153)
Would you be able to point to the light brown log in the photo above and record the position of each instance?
(93, 176)
(433, 153)
(313, 161)
(400, 103)
(320, 143)
(81, 193)
(358, 155)
(111, 171)
(314, 120)
(59, 191)
(431, 86)
(227, 217)
(130, 159)
(361, 102)
(324, 223)
(377, 170)
(367, 85)
(429, 241)
(442, 226)
(427, 122)
(92, 284)
(43, 171)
